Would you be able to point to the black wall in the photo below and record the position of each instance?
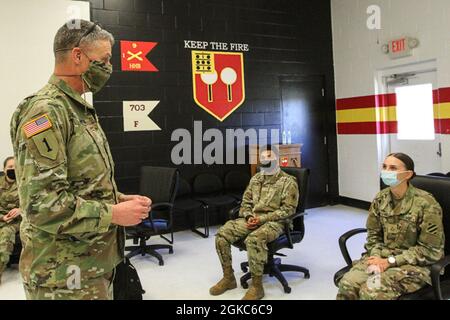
(286, 37)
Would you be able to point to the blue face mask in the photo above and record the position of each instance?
(390, 178)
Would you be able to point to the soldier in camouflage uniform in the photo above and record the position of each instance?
(271, 196)
(71, 207)
(405, 237)
(9, 213)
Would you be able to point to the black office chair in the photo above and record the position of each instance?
(235, 183)
(274, 267)
(209, 190)
(184, 203)
(440, 289)
(160, 185)
(437, 174)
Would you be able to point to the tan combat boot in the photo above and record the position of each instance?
(256, 290)
(228, 282)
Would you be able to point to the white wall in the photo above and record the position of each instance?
(27, 28)
(358, 56)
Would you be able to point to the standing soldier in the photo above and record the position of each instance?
(65, 174)
(9, 213)
(271, 196)
(405, 236)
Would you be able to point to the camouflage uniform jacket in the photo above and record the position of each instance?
(9, 199)
(271, 198)
(412, 231)
(65, 176)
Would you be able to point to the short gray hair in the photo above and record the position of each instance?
(75, 33)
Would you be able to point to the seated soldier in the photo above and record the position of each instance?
(9, 213)
(405, 236)
(271, 196)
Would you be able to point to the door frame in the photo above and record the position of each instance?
(381, 88)
(383, 141)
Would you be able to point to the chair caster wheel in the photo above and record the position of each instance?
(161, 263)
(244, 285)
(170, 251)
(307, 275)
(287, 289)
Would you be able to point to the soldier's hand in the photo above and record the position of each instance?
(253, 223)
(129, 197)
(132, 212)
(11, 215)
(381, 263)
(14, 213)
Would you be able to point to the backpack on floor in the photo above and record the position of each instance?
(127, 285)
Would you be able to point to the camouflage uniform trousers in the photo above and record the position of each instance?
(7, 241)
(255, 241)
(389, 285)
(100, 288)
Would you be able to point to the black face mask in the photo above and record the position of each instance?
(269, 164)
(11, 174)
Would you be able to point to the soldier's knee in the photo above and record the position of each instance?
(222, 237)
(348, 283)
(251, 239)
(370, 293)
(219, 237)
(256, 239)
(222, 230)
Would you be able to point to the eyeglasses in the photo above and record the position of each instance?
(88, 32)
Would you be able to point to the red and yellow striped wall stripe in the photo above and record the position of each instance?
(376, 114)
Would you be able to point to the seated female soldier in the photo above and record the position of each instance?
(405, 237)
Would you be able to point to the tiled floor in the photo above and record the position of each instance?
(194, 267)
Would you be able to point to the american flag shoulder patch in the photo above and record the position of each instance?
(37, 125)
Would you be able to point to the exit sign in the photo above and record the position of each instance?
(402, 47)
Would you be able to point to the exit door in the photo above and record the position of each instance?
(304, 115)
(415, 89)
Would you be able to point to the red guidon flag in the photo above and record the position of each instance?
(133, 55)
(218, 81)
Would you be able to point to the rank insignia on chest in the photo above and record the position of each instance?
(37, 125)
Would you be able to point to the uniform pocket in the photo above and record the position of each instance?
(271, 197)
(407, 235)
(390, 224)
(98, 141)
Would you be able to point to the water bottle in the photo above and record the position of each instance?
(374, 279)
(289, 137)
(284, 137)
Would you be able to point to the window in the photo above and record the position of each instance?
(415, 112)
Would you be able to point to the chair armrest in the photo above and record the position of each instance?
(436, 276)
(287, 229)
(160, 205)
(234, 213)
(294, 216)
(343, 243)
